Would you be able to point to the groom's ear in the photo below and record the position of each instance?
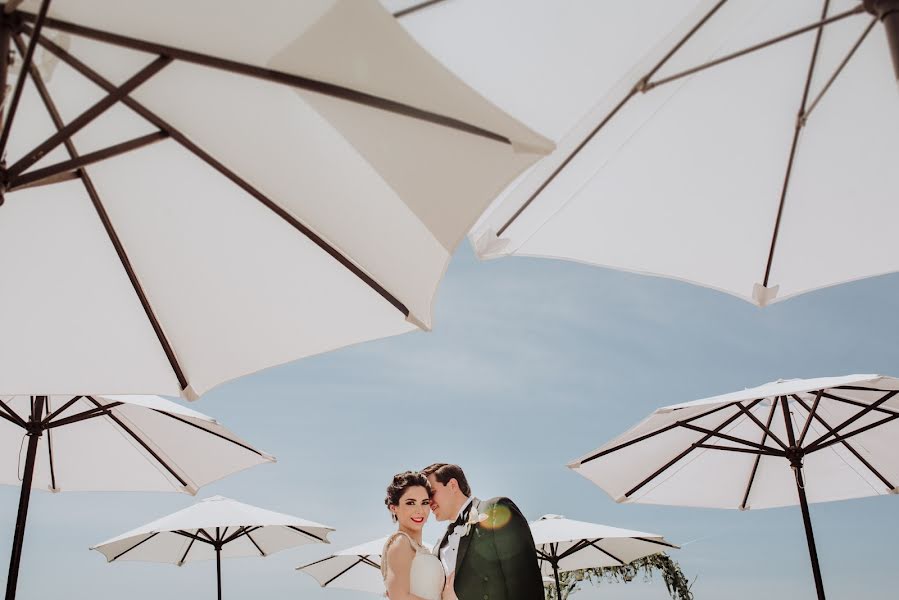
(453, 484)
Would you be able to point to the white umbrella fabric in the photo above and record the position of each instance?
(213, 528)
(780, 444)
(197, 191)
(111, 443)
(745, 146)
(567, 545)
(357, 568)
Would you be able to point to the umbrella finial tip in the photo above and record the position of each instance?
(189, 393)
(763, 295)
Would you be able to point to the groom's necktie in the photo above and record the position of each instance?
(460, 520)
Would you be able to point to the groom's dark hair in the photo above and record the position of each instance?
(443, 472)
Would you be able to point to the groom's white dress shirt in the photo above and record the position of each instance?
(450, 550)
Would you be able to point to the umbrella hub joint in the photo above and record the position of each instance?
(34, 428)
(881, 8)
(795, 456)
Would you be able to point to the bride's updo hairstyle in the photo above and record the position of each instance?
(401, 482)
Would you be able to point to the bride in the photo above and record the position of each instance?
(409, 569)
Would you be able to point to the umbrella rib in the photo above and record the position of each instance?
(143, 444)
(12, 416)
(27, 57)
(272, 75)
(50, 449)
(690, 449)
(811, 415)
(819, 25)
(366, 560)
(609, 554)
(580, 545)
(60, 410)
(194, 536)
(241, 531)
(654, 433)
(110, 231)
(415, 8)
(839, 438)
(342, 572)
(852, 419)
(761, 426)
(196, 150)
(758, 459)
(861, 404)
(729, 438)
(754, 452)
(659, 542)
(846, 444)
(609, 116)
(83, 416)
(89, 115)
(797, 129)
(68, 169)
(213, 433)
(190, 545)
(209, 538)
(123, 553)
(250, 537)
(304, 532)
(840, 68)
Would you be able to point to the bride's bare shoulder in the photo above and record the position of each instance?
(398, 550)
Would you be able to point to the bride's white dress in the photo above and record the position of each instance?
(427, 578)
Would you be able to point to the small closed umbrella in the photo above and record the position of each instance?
(357, 568)
(110, 443)
(567, 545)
(211, 529)
(779, 444)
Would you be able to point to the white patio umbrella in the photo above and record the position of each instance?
(567, 545)
(110, 443)
(744, 146)
(211, 529)
(357, 568)
(197, 191)
(779, 444)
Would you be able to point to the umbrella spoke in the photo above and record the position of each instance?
(797, 129)
(342, 572)
(415, 8)
(213, 433)
(190, 545)
(690, 449)
(11, 415)
(87, 116)
(68, 169)
(266, 74)
(840, 68)
(580, 545)
(841, 437)
(306, 533)
(195, 537)
(250, 537)
(879, 409)
(99, 411)
(143, 444)
(659, 542)
(146, 539)
(27, 57)
(754, 452)
(818, 25)
(208, 537)
(640, 86)
(207, 158)
(60, 410)
(758, 459)
(730, 438)
(646, 436)
(846, 444)
(366, 560)
(107, 224)
(609, 554)
(812, 414)
(767, 430)
(851, 419)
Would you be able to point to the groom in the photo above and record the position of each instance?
(488, 551)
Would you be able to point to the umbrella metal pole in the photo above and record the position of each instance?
(558, 584)
(34, 435)
(218, 568)
(809, 534)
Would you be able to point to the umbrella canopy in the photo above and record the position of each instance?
(357, 568)
(745, 146)
(219, 187)
(580, 545)
(119, 443)
(779, 444)
(567, 545)
(106, 443)
(211, 529)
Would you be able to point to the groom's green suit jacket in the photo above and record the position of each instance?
(497, 560)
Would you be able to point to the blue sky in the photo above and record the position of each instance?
(532, 363)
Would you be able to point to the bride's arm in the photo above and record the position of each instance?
(399, 569)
